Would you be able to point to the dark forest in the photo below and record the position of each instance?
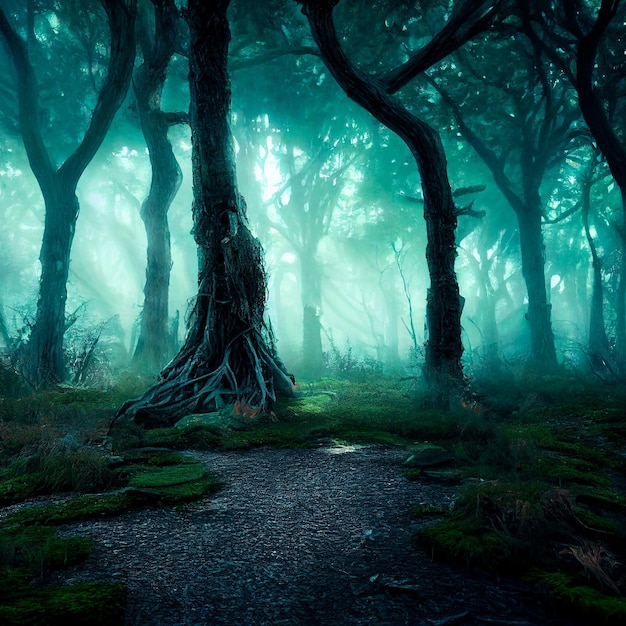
(357, 269)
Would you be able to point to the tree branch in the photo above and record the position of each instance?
(467, 20)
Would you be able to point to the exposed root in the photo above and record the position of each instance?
(249, 374)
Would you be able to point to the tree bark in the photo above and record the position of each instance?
(43, 361)
(153, 345)
(442, 368)
(228, 357)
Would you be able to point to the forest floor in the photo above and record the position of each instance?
(354, 506)
(296, 537)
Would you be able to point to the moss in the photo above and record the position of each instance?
(571, 470)
(586, 601)
(604, 499)
(598, 523)
(83, 507)
(33, 549)
(198, 437)
(498, 526)
(168, 476)
(466, 541)
(87, 603)
(164, 458)
(412, 473)
(18, 488)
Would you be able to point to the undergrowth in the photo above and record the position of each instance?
(539, 464)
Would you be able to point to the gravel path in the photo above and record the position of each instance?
(295, 537)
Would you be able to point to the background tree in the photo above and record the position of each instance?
(158, 39)
(587, 42)
(43, 360)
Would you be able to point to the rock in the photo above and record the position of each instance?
(429, 457)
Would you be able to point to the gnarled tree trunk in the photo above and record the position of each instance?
(227, 356)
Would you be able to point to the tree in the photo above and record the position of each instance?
(444, 304)
(153, 346)
(228, 356)
(535, 113)
(587, 44)
(43, 361)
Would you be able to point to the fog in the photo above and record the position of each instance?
(333, 196)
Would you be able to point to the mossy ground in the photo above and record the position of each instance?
(541, 466)
(56, 442)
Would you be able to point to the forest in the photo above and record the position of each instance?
(249, 239)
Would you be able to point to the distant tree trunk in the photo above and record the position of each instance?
(227, 356)
(4, 330)
(153, 345)
(527, 207)
(442, 368)
(43, 361)
(312, 355)
(542, 349)
(392, 315)
(598, 344)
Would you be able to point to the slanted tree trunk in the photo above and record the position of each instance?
(442, 368)
(154, 344)
(227, 357)
(43, 361)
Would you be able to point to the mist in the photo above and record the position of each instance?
(335, 199)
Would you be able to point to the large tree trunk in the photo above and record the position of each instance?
(444, 349)
(312, 355)
(227, 357)
(542, 350)
(444, 304)
(153, 345)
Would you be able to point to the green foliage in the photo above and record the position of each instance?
(493, 526)
(467, 542)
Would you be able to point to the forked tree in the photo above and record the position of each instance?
(228, 357)
(43, 359)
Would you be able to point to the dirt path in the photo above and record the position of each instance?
(295, 537)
